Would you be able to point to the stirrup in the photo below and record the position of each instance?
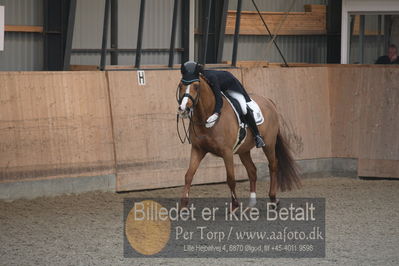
(259, 141)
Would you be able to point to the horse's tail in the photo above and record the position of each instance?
(288, 173)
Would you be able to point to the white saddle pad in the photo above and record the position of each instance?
(259, 119)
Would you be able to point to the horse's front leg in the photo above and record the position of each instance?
(229, 163)
(196, 157)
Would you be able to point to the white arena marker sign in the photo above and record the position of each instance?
(141, 77)
(1, 28)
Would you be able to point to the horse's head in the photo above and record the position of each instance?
(187, 97)
(188, 89)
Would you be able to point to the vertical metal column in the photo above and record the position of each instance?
(105, 35)
(69, 35)
(114, 31)
(55, 26)
(361, 39)
(222, 29)
(206, 31)
(351, 29)
(236, 33)
(334, 20)
(379, 28)
(173, 37)
(387, 31)
(140, 34)
(185, 21)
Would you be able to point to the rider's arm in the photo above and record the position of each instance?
(217, 92)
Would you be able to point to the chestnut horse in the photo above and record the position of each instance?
(199, 102)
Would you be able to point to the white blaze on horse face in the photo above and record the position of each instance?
(185, 99)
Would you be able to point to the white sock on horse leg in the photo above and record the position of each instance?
(252, 199)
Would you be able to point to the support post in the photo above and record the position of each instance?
(140, 34)
(222, 29)
(185, 21)
(56, 30)
(350, 38)
(69, 35)
(114, 31)
(236, 33)
(361, 39)
(379, 52)
(387, 32)
(105, 35)
(173, 35)
(334, 18)
(206, 30)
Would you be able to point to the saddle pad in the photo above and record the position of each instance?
(259, 119)
(242, 132)
(235, 109)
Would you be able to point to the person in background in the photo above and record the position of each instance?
(391, 57)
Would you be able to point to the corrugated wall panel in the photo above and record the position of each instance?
(22, 51)
(23, 12)
(88, 31)
(156, 34)
(308, 49)
(276, 5)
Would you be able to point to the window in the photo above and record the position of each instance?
(370, 36)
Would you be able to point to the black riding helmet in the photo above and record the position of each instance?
(190, 72)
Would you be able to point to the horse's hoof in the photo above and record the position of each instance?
(234, 206)
(276, 203)
(251, 203)
(183, 203)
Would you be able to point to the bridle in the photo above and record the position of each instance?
(188, 95)
(190, 114)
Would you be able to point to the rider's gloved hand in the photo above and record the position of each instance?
(212, 120)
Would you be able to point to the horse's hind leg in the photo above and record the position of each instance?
(251, 170)
(270, 153)
(231, 182)
(196, 157)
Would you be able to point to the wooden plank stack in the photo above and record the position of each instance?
(310, 22)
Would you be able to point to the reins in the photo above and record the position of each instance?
(190, 117)
(182, 140)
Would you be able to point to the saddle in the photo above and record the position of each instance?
(242, 130)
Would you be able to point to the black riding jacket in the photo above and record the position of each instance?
(221, 81)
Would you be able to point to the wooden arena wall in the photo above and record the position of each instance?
(148, 151)
(364, 104)
(78, 124)
(337, 111)
(54, 124)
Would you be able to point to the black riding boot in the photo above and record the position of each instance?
(249, 117)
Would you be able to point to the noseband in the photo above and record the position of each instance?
(195, 102)
(188, 95)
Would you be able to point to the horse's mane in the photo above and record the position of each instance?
(206, 80)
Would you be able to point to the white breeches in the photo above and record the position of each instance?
(240, 98)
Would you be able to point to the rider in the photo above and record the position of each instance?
(222, 81)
